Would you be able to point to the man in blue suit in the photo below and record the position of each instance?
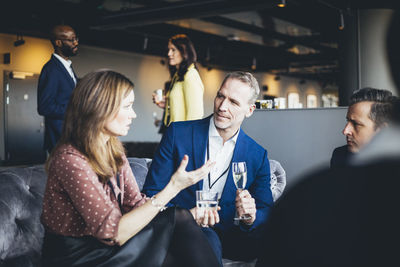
(220, 139)
(56, 82)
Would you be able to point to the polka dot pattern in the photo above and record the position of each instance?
(76, 203)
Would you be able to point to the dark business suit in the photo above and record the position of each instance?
(54, 91)
(340, 157)
(190, 137)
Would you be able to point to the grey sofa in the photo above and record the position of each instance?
(21, 195)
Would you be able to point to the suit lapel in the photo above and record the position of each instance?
(64, 70)
(76, 77)
(200, 139)
(239, 154)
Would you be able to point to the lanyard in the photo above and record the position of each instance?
(112, 189)
(209, 175)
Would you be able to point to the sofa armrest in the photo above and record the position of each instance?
(140, 167)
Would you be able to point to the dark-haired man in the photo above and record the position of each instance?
(56, 82)
(369, 111)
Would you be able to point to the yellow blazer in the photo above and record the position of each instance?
(185, 100)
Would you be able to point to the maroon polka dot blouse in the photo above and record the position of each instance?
(77, 204)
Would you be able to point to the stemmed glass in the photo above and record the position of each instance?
(239, 172)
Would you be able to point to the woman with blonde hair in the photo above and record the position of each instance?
(93, 211)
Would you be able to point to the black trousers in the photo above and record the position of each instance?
(172, 238)
(234, 244)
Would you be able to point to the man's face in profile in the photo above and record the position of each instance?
(67, 41)
(70, 42)
(359, 128)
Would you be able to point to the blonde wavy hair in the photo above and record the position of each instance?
(95, 100)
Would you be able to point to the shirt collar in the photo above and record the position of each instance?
(212, 131)
(66, 62)
(191, 66)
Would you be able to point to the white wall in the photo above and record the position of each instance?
(302, 140)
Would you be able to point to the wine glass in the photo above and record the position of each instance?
(239, 172)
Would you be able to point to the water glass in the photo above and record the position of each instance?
(206, 200)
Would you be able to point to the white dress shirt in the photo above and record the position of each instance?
(222, 155)
(67, 65)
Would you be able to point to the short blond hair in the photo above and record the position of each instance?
(247, 78)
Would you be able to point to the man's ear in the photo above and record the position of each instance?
(58, 43)
(251, 110)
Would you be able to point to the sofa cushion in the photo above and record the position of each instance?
(21, 233)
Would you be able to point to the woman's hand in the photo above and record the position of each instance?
(160, 104)
(136, 219)
(182, 179)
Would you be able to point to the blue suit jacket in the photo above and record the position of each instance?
(190, 137)
(54, 91)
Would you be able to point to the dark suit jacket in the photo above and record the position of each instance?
(190, 137)
(340, 157)
(54, 91)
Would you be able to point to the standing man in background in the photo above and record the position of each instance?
(56, 82)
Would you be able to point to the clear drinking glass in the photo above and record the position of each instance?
(205, 200)
(239, 172)
(159, 95)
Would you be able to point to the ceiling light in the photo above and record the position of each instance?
(282, 3)
(19, 41)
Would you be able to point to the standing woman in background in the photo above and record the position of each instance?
(184, 99)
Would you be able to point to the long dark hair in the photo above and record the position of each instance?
(189, 56)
